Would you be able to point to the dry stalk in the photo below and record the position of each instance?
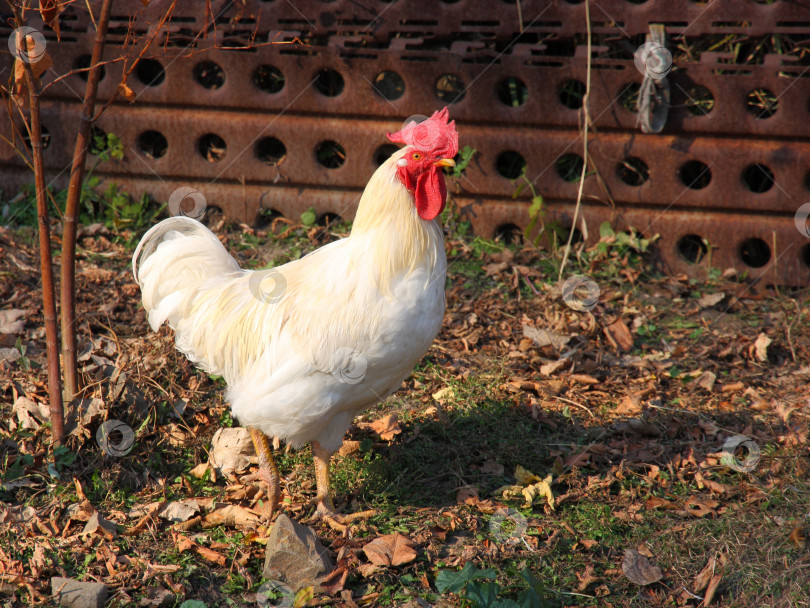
(57, 413)
(586, 116)
(70, 217)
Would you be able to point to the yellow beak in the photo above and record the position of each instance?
(445, 162)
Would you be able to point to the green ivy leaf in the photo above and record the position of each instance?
(454, 582)
(485, 595)
(308, 217)
(605, 230)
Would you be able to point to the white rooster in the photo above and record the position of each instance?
(306, 346)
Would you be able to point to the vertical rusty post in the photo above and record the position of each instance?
(68, 271)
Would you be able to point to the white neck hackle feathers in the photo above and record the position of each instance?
(333, 297)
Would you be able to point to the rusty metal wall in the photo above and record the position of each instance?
(539, 45)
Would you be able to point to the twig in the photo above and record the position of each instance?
(586, 120)
(563, 399)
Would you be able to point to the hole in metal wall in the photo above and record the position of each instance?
(569, 167)
(628, 96)
(762, 103)
(695, 174)
(509, 234)
(327, 219)
(699, 101)
(82, 63)
(330, 154)
(271, 150)
(209, 74)
(150, 72)
(806, 255)
(268, 79)
(755, 252)
(212, 147)
(633, 171)
(329, 82)
(564, 232)
(692, 248)
(389, 85)
(98, 140)
(758, 178)
(265, 218)
(212, 215)
(510, 164)
(513, 92)
(383, 153)
(450, 88)
(44, 137)
(572, 93)
(153, 144)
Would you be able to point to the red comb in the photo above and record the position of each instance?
(435, 135)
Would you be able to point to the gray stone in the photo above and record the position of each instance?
(76, 594)
(294, 555)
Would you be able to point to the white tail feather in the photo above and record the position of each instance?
(172, 261)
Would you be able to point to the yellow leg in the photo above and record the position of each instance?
(325, 506)
(268, 472)
(324, 497)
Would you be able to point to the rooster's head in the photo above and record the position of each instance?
(432, 144)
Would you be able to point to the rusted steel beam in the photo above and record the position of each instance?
(722, 169)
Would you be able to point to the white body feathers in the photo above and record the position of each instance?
(306, 346)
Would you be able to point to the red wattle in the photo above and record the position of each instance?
(430, 193)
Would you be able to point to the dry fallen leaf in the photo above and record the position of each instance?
(798, 537)
(390, 550)
(467, 495)
(618, 334)
(185, 544)
(231, 450)
(711, 299)
(586, 578)
(349, 447)
(530, 487)
(706, 381)
(98, 525)
(543, 337)
(761, 347)
(232, 515)
(12, 321)
(386, 427)
(639, 570)
(443, 393)
(180, 510)
(630, 405)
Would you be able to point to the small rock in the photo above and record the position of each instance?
(76, 594)
(294, 555)
(9, 354)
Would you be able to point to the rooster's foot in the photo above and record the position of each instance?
(325, 512)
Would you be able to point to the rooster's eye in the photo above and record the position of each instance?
(416, 156)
